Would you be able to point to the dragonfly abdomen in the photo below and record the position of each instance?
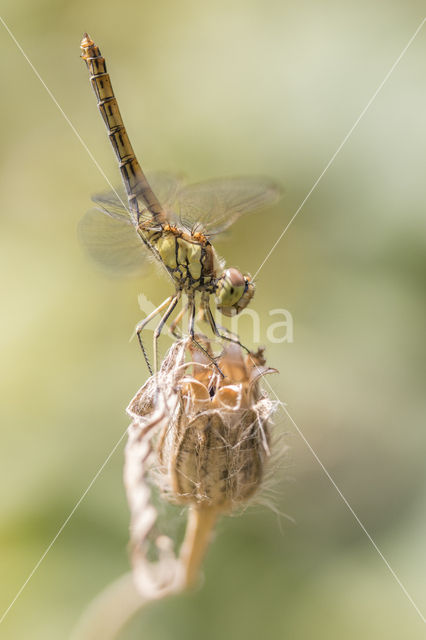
(133, 177)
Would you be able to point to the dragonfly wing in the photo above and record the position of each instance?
(165, 185)
(113, 244)
(215, 205)
(115, 203)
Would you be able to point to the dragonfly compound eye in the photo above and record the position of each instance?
(234, 292)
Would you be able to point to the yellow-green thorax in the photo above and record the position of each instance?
(190, 259)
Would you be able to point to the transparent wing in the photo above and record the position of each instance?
(111, 240)
(113, 243)
(115, 203)
(211, 206)
(215, 205)
(165, 185)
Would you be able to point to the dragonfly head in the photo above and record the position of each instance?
(234, 291)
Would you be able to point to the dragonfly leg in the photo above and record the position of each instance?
(172, 328)
(215, 329)
(191, 305)
(141, 326)
(173, 302)
(228, 332)
(206, 317)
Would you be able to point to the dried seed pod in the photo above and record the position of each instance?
(214, 438)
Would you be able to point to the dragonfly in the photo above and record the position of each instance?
(176, 229)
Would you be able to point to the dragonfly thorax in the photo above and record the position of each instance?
(189, 258)
(234, 291)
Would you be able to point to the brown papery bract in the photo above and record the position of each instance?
(200, 431)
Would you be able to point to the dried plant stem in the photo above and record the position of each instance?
(110, 610)
(201, 521)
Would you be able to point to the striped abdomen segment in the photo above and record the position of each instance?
(133, 177)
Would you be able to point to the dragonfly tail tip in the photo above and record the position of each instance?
(86, 40)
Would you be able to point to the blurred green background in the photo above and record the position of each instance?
(221, 88)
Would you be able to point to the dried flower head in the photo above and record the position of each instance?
(200, 430)
(215, 437)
